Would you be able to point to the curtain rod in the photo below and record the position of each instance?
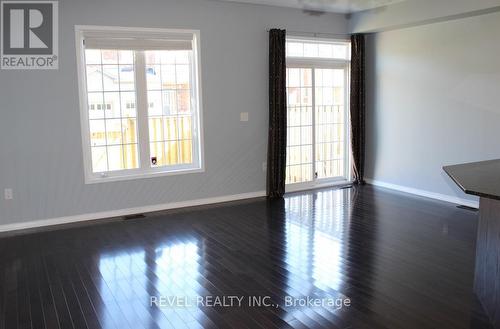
(315, 34)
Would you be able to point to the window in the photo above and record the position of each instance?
(317, 112)
(318, 49)
(140, 102)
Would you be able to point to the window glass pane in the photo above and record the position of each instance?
(115, 157)
(157, 151)
(130, 156)
(113, 72)
(153, 57)
(329, 122)
(325, 50)
(324, 169)
(166, 57)
(318, 49)
(306, 96)
(186, 150)
(168, 76)
(293, 96)
(153, 75)
(339, 132)
(293, 154)
(97, 132)
(93, 56)
(169, 95)
(129, 131)
(294, 136)
(172, 153)
(109, 56)
(306, 77)
(154, 103)
(126, 57)
(170, 128)
(113, 132)
(340, 51)
(306, 172)
(183, 101)
(299, 132)
(94, 78)
(306, 135)
(185, 127)
(305, 116)
(306, 154)
(327, 96)
(112, 105)
(293, 116)
(99, 159)
(181, 57)
(338, 150)
(95, 107)
(127, 78)
(338, 78)
(128, 104)
(182, 76)
(156, 129)
(169, 100)
(110, 78)
(293, 77)
(310, 50)
(329, 79)
(295, 49)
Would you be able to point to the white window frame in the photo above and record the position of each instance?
(325, 63)
(145, 169)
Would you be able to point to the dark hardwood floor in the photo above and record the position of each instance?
(401, 262)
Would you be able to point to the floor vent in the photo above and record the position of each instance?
(467, 208)
(136, 216)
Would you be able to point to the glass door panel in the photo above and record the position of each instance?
(299, 159)
(329, 122)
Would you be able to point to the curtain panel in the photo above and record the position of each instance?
(357, 106)
(276, 157)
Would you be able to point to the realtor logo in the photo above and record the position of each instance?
(29, 35)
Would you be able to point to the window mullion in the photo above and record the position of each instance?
(142, 109)
(313, 120)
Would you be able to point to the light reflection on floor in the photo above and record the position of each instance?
(176, 269)
(316, 226)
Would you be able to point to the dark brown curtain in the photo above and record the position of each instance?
(358, 106)
(276, 156)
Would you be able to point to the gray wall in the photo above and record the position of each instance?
(433, 99)
(40, 140)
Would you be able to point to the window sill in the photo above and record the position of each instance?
(140, 175)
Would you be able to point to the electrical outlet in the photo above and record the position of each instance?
(8, 194)
(244, 116)
(264, 166)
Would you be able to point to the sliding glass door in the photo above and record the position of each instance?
(317, 140)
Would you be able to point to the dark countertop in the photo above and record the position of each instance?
(477, 178)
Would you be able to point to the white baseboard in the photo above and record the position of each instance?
(128, 211)
(427, 194)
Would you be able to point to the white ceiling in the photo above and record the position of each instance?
(336, 6)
